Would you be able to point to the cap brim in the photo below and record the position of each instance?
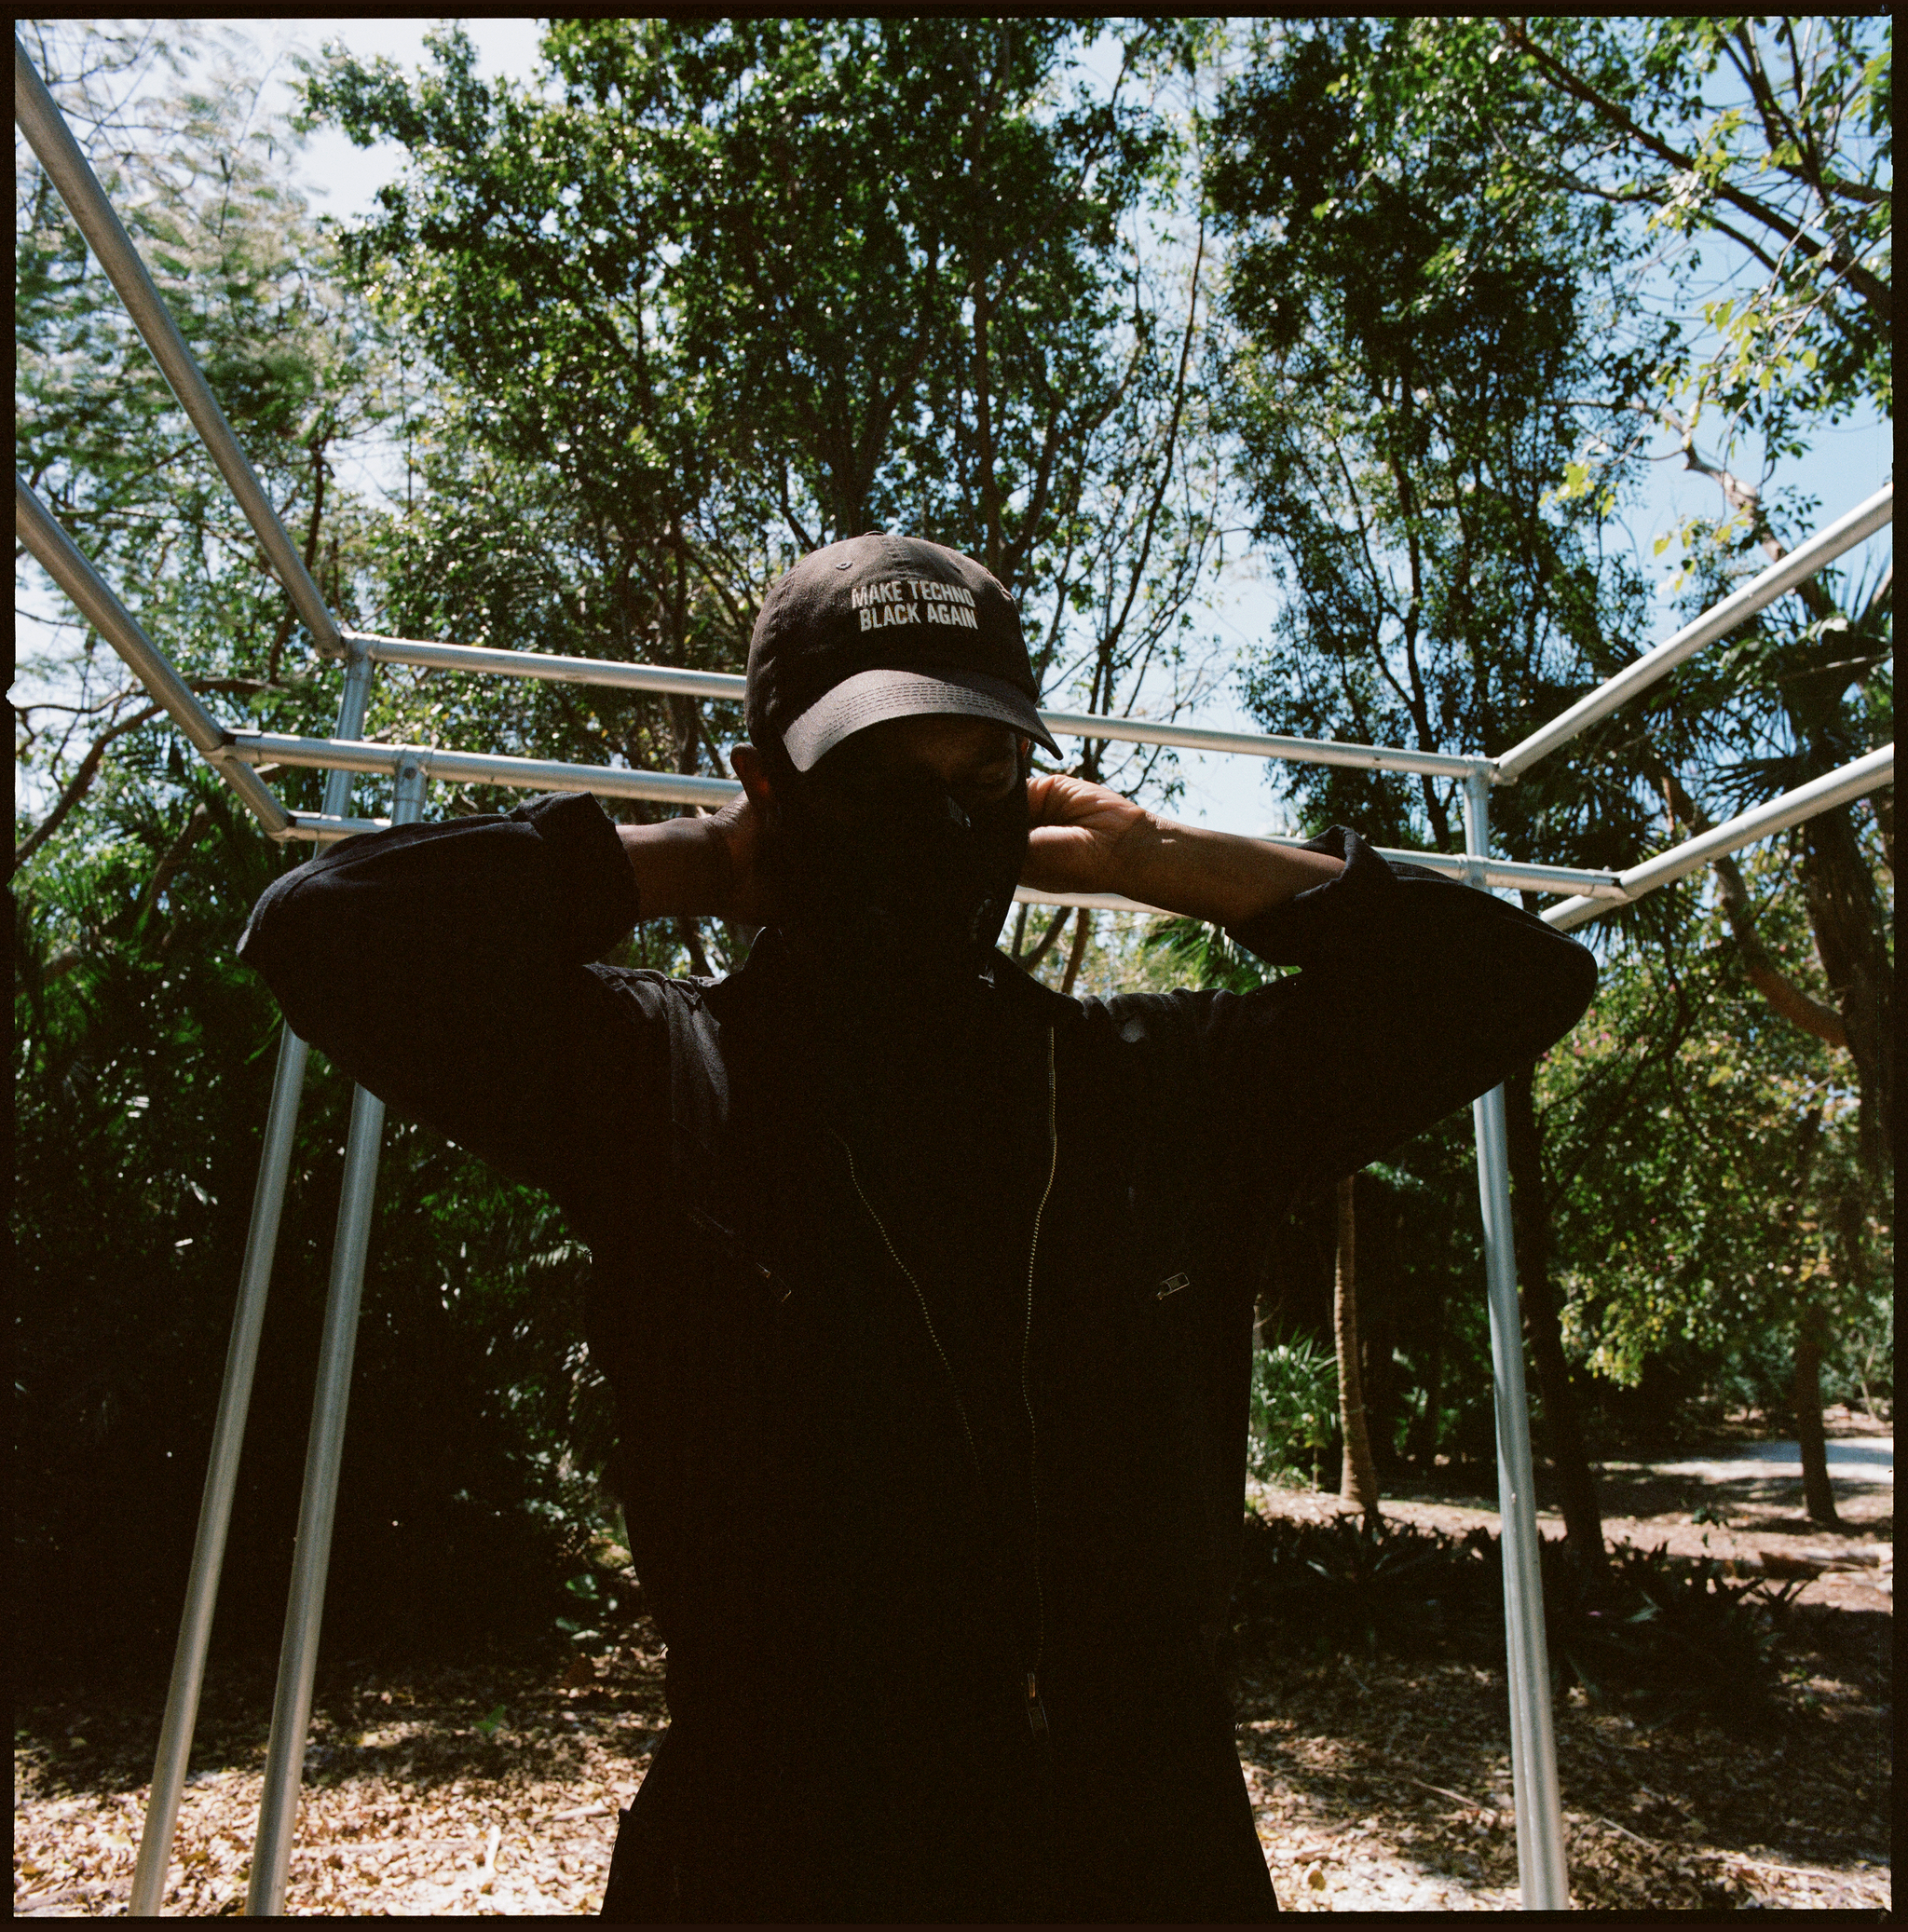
(873, 697)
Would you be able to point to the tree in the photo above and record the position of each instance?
(143, 1051)
(204, 186)
(1769, 137)
(1414, 360)
(1768, 141)
(1711, 1195)
(729, 290)
(1358, 1478)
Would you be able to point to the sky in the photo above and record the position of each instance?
(1845, 465)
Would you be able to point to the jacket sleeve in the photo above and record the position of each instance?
(445, 968)
(1414, 994)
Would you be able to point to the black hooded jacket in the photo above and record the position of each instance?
(930, 1346)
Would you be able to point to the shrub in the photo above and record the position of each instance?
(1659, 1638)
(1294, 1409)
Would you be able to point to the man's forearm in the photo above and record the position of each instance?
(1213, 875)
(681, 866)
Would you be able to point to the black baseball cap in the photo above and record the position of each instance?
(883, 627)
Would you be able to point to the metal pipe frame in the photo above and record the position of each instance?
(1542, 1874)
(544, 774)
(1803, 562)
(234, 1399)
(1541, 1866)
(221, 1485)
(729, 687)
(277, 1812)
(1852, 781)
(60, 558)
(1540, 1849)
(38, 118)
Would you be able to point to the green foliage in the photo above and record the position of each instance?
(1663, 1640)
(746, 287)
(1707, 1156)
(144, 1058)
(1413, 359)
(1294, 1409)
(1768, 141)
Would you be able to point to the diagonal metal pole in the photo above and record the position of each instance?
(1542, 1875)
(38, 118)
(235, 1402)
(271, 1851)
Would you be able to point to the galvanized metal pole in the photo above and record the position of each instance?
(271, 1851)
(1542, 1875)
(38, 118)
(220, 1482)
(235, 1401)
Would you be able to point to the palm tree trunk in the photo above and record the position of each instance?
(1358, 1478)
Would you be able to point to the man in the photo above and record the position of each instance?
(925, 1292)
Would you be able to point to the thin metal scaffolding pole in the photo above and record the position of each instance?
(271, 1850)
(235, 1401)
(1802, 563)
(729, 687)
(1542, 1874)
(62, 559)
(38, 118)
(220, 1482)
(1865, 774)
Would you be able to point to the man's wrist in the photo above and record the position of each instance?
(1214, 876)
(681, 866)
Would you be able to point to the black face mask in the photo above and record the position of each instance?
(906, 891)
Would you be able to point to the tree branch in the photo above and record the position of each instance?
(78, 787)
(1789, 999)
(1870, 287)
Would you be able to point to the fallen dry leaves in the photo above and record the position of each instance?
(1377, 1785)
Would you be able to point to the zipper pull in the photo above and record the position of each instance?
(1036, 1710)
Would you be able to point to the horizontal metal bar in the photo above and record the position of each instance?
(731, 687)
(480, 659)
(1097, 902)
(1844, 534)
(1252, 745)
(63, 561)
(537, 774)
(1853, 781)
(44, 127)
(482, 767)
(317, 828)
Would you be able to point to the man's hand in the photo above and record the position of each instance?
(1078, 830)
(1085, 839)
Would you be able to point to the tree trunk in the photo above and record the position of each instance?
(1357, 1479)
(1583, 1518)
(1818, 1492)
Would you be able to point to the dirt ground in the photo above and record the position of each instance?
(1377, 1785)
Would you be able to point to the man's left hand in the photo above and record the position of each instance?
(1079, 830)
(1085, 839)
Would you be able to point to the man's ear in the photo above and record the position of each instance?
(749, 766)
